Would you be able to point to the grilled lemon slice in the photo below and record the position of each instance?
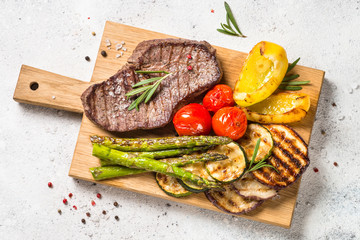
(284, 107)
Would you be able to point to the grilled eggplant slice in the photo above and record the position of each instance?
(228, 170)
(251, 189)
(171, 186)
(200, 170)
(230, 201)
(289, 157)
(253, 132)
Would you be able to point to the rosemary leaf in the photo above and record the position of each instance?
(295, 83)
(146, 81)
(138, 90)
(255, 152)
(227, 28)
(290, 77)
(291, 66)
(232, 19)
(290, 88)
(226, 32)
(148, 72)
(152, 91)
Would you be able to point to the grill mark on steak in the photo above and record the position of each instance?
(106, 105)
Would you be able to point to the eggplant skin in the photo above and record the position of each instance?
(231, 202)
(289, 157)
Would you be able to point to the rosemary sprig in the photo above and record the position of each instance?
(259, 164)
(286, 83)
(147, 91)
(230, 20)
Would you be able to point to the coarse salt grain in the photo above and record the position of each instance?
(118, 55)
(53, 97)
(342, 117)
(350, 90)
(107, 42)
(118, 47)
(124, 49)
(122, 42)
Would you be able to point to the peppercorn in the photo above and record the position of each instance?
(98, 195)
(189, 68)
(336, 164)
(65, 201)
(50, 185)
(116, 204)
(75, 207)
(93, 202)
(59, 211)
(103, 53)
(93, 33)
(316, 169)
(70, 195)
(189, 56)
(104, 212)
(83, 221)
(116, 218)
(88, 214)
(87, 58)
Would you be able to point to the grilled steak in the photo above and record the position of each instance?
(106, 105)
(289, 157)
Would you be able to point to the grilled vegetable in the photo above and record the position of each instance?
(218, 97)
(289, 158)
(230, 201)
(171, 186)
(230, 122)
(102, 173)
(283, 107)
(192, 120)
(149, 164)
(230, 169)
(156, 144)
(251, 189)
(248, 141)
(161, 154)
(178, 162)
(199, 170)
(261, 74)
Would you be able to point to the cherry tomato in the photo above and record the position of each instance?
(192, 120)
(230, 122)
(218, 97)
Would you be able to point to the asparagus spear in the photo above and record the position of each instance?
(149, 164)
(155, 144)
(159, 154)
(177, 162)
(102, 173)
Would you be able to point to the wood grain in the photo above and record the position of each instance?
(278, 211)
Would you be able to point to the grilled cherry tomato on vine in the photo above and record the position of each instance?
(192, 120)
(218, 97)
(230, 122)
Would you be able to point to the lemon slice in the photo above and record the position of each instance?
(262, 73)
(284, 107)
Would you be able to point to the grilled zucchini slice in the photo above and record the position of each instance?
(253, 132)
(228, 170)
(251, 189)
(289, 157)
(230, 201)
(200, 170)
(171, 186)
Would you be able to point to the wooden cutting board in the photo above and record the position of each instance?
(63, 93)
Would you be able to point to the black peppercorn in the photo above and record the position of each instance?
(103, 53)
(88, 214)
(116, 204)
(83, 221)
(87, 58)
(116, 218)
(104, 212)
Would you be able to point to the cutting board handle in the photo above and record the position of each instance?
(43, 88)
